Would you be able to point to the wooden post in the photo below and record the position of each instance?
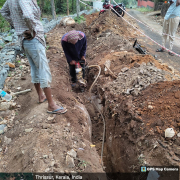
(53, 9)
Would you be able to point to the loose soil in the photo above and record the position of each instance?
(134, 132)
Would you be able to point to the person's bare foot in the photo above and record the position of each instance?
(42, 98)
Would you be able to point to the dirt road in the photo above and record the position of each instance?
(165, 57)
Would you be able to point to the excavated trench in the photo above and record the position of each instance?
(129, 143)
(138, 97)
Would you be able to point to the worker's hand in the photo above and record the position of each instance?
(83, 58)
(73, 62)
(27, 35)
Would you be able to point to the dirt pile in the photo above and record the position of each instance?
(135, 125)
(110, 21)
(132, 81)
(136, 122)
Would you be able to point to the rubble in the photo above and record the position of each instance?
(28, 130)
(134, 80)
(2, 127)
(5, 106)
(72, 153)
(7, 140)
(169, 132)
(70, 161)
(67, 21)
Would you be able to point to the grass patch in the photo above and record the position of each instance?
(144, 9)
(80, 19)
(4, 25)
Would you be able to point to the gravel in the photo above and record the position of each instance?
(132, 81)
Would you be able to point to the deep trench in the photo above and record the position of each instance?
(111, 152)
(120, 155)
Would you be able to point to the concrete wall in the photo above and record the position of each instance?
(145, 3)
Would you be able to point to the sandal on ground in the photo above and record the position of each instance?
(42, 102)
(60, 110)
(160, 50)
(170, 53)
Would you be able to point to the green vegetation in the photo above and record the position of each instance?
(82, 164)
(47, 47)
(4, 25)
(61, 6)
(80, 19)
(144, 9)
(45, 6)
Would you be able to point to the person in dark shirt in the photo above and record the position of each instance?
(74, 46)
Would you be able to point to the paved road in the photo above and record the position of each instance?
(173, 61)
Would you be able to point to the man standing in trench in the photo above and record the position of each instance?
(170, 25)
(24, 16)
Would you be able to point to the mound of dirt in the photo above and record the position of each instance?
(89, 18)
(134, 129)
(110, 21)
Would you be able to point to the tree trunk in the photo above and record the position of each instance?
(72, 7)
(77, 8)
(41, 4)
(68, 7)
(53, 9)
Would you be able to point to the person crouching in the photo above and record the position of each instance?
(74, 45)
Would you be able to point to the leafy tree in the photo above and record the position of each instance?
(2, 2)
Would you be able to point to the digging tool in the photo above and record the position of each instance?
(79, 74)
(139, 48)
